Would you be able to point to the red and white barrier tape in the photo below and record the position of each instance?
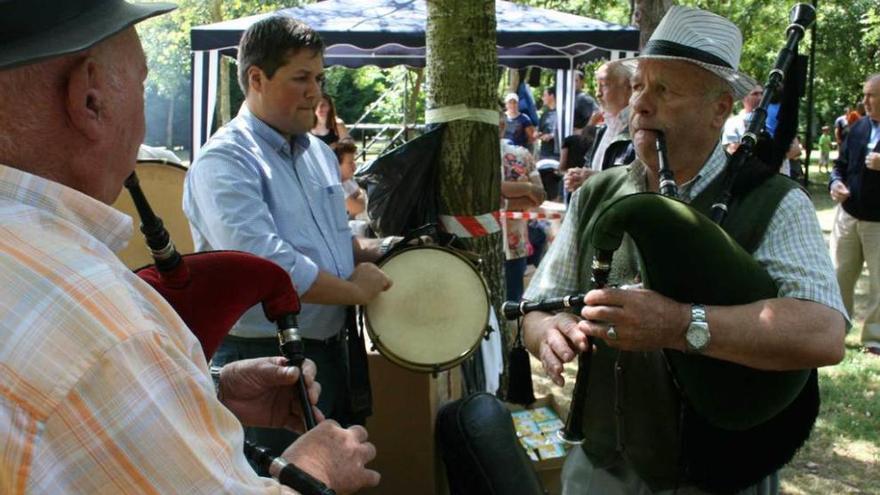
(488, 223)
(531, 215)
(468, 226)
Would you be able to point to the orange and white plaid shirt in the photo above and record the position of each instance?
(103, 389)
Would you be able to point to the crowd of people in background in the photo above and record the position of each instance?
(539, 163)
(601, 141)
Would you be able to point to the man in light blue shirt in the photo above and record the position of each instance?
(264, 185)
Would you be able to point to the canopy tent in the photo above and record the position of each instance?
(387, 33)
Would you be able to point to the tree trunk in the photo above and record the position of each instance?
(461, 61)
(646, 15)
(412, 103)
(512, 80)
(223, 98)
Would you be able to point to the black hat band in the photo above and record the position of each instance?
(673, 49)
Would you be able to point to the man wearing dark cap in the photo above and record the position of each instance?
(639, 418)
(103, 389)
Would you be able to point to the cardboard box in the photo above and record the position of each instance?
(405, 405)
(549, 470)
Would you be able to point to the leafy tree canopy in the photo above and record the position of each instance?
(847, 49)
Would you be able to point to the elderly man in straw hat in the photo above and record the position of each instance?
(102, 387)
(684, 85)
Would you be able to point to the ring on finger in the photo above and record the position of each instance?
(611, 333)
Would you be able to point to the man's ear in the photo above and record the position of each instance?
(721, 109)
(255, 76)
(85, 98)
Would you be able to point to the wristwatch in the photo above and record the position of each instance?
(697, 335)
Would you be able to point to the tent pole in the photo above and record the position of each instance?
(197, 106)
(405, 103)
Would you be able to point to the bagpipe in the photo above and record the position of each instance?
(739, 424)
(199, 287)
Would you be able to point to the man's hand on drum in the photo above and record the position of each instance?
(369, 250)
(369, 281)
(260, 392)
(554, 339)
(337, 456)
(642, 319)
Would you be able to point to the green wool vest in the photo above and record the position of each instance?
(633, 408)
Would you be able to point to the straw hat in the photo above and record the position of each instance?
(702, 38)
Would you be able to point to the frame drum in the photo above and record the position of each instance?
(434, 315)
(162, 183)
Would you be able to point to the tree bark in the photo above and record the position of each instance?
(646, 14)
(223, 98)
(461, 63)
(413, 100)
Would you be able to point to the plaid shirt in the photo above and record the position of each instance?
(792, 251)
(102, 387)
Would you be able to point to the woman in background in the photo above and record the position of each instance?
(326, 112)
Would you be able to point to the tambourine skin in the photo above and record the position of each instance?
(436, 312)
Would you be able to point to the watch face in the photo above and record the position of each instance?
(697, 335)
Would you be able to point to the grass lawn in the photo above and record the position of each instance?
(842, 455)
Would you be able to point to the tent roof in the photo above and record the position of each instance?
(392, 32)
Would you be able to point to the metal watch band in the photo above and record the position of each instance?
(698, 313)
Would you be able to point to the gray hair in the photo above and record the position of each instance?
(618, 71)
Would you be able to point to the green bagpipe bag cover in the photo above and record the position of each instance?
(747, 422)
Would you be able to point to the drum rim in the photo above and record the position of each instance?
(443, 365)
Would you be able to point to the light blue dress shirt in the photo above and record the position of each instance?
(252, 190)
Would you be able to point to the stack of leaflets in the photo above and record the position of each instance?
(537, 431)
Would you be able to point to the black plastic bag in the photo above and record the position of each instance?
(401, 185)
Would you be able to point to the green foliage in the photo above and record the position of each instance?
(354, 90)
(847, 50)
(847, 43)
(166, 42)
(871, 23)
(166, 38)
(845, 55)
